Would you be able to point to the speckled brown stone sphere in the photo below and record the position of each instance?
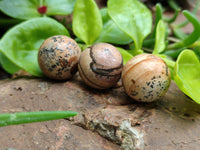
(100, 66)
(146, 78)
(58, 57)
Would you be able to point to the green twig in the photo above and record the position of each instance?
(29, 117)
(193, 36)
(158, 17)
(173, 18)
(173, 5)
(195, 10)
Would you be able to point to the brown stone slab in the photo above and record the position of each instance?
(108, 119)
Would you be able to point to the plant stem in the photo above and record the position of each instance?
(173, 18)
(29, 117)
(170, 63)
(41, 3)
(192, 37)
(173, 39)
(158, 17)
(173, 4)
(195, 10)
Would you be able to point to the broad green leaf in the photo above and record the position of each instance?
(87, 21)
(21, 9)
(132, 17)
(126, 55)
(27, 9)
(187, 74)
(197, 51)
(8, 65)
(160, 38)
(59, 7)
(111, 33)
(21, 43)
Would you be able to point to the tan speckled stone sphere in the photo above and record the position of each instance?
(58, 57)
(146, 78)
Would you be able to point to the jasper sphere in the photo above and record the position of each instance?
(146, 78)
(100, 66)
(58, 57)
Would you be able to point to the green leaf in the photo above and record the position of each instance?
(170, 63)
(111, 33)
(8, 65)
(197, 51)
(135, 52)
(173, 4)
(104, 14)
(187, 74)
(173, 18)
(21, 43)
(132, 17)
(173, 53)
(194, 11)
(160, 38)
(59, 7)
(27, 9)
(30, 117)
(21, 9)
(190, 39)
(179, 33)
(126, 55)
(87, 21)
(150, 41)
(158, 17)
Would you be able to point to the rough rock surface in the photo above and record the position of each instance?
(107, 120)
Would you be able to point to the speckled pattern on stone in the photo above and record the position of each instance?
(58, 57)
(146, 77)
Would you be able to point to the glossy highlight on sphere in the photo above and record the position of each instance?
(58, 57)
(146, 78)
(100, 66)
